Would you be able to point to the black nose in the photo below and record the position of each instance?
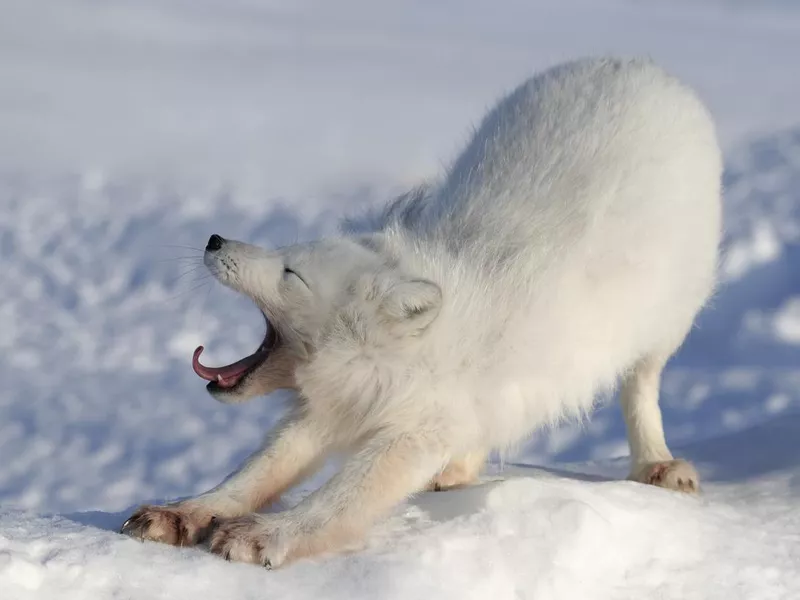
(214, 243)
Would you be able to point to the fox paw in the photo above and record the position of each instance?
(176, 525)
(256, 539)
(460, 472)
(451, 478)
(675, 474)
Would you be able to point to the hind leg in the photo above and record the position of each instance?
(651, 461)
(459, 472)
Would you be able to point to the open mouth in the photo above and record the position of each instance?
(231, 375)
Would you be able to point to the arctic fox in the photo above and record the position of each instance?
(568, 248)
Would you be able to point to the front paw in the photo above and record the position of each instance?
(264, 540)
(176, 524)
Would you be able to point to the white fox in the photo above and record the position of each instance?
(569, 247)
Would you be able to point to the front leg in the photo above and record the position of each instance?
(374, 480)
(290, 453)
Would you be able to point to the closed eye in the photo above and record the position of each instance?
(287, 272)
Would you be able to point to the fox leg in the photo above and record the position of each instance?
(376, 478)
(651, 460)
(290, 453)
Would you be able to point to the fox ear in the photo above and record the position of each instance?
(411, 304)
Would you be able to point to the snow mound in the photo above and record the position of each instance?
(524, 532)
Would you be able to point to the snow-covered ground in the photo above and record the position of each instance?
(131, 130)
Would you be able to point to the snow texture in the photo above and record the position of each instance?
(130, 131)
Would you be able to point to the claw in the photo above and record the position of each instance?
(267, 565)
(125, 525)
(133, 526)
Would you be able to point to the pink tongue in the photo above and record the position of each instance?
(224, 376)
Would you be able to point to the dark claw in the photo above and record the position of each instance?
(135, 526)
(125, 525)
(268, 565)
(227, 555)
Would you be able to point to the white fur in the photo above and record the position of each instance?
(570, 244)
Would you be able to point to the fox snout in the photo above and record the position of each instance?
(215, 242)
(246, 268)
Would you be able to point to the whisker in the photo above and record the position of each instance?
(190, 271)
(183, 247)
(205, 300)
(182, 260)
(187, 292)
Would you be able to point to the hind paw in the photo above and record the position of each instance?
(675, 474)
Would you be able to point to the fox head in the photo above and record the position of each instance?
(337, 293)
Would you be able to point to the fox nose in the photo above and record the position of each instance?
(214, 243)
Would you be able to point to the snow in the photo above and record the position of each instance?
(526, 532)
(130, 131)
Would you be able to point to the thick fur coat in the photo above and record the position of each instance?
(567, 249)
